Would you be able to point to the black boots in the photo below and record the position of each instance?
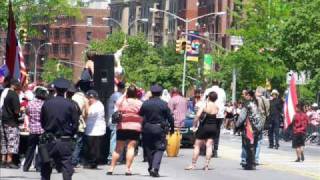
(154, 172)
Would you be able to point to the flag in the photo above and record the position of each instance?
(290, 103)
(3, 72)
(14, 58)
(249, 131)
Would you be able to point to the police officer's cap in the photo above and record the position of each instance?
(156, 89)
(61, 83)
(92, 94)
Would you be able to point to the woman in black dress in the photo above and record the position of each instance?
(206, 125)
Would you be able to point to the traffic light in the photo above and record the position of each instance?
(23, 34)
(178, 46)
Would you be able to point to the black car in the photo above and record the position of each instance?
(186, 132)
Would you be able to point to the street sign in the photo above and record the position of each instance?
(236, 41)
(301, 78)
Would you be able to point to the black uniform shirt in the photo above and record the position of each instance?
(156, 111)
(276, 109)
(10, 109)
(59, 116)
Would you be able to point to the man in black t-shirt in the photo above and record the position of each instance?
(10, 133)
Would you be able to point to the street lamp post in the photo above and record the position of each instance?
(36, 59)
(186, 21)
(119, 24)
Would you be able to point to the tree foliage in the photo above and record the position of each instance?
(299, 42)
(258, 23)
(109, 45)
(28, 12)
(145, 64)
(52, 70)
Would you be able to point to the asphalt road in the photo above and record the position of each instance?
(276, 164)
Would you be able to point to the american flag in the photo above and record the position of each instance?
(14, 57)
(290, 103)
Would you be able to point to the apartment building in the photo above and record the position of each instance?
(69, 37)
(162, 29)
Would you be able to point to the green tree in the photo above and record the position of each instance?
(299, 42)
(28, 12)
(144, 64)
(109, 45)
(258, 23)
(52, 70)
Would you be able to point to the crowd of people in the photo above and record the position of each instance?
(67, 125)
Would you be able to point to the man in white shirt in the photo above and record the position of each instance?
(95, 130)
(221, 101)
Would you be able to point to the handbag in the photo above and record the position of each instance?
(116, 117)
(202, 117)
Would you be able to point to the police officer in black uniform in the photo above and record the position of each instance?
(59, 119)
(157, 123)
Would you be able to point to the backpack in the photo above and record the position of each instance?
(264, 106)
(256, 117)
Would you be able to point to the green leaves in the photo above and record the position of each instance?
(52, 70)
(145, 64)
(109, 45)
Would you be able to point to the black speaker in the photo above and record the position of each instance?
(103, 75)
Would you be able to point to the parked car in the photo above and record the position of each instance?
(186, 132)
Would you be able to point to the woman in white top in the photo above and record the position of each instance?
(95, 130)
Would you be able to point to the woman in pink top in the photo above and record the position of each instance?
(128, 129)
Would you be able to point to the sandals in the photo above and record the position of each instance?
(128, 173)
(190, 167)
(206, 168)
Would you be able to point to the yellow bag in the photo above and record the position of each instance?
(173, 145)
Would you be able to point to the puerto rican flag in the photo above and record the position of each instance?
(291, 102)
(14, 58)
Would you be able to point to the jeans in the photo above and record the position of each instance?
(33, 142)
(258, 148)
(257, 151)
(76, 155)
(273, 132)
(113, 140)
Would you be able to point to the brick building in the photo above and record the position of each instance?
(162, 29)
(69, 37)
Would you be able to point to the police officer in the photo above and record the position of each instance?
(59, 119)
(157, 121)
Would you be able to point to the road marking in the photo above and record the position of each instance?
(272, 161)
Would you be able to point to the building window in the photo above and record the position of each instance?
(89, 36)
(56, 34)
(68, 33)
(89, 20)
(55, 49)
(66, 49)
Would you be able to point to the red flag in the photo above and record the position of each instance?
(249, 131)
(14, 57)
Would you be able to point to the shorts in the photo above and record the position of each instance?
(10, 138)
(123, 135)
(298, 140)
